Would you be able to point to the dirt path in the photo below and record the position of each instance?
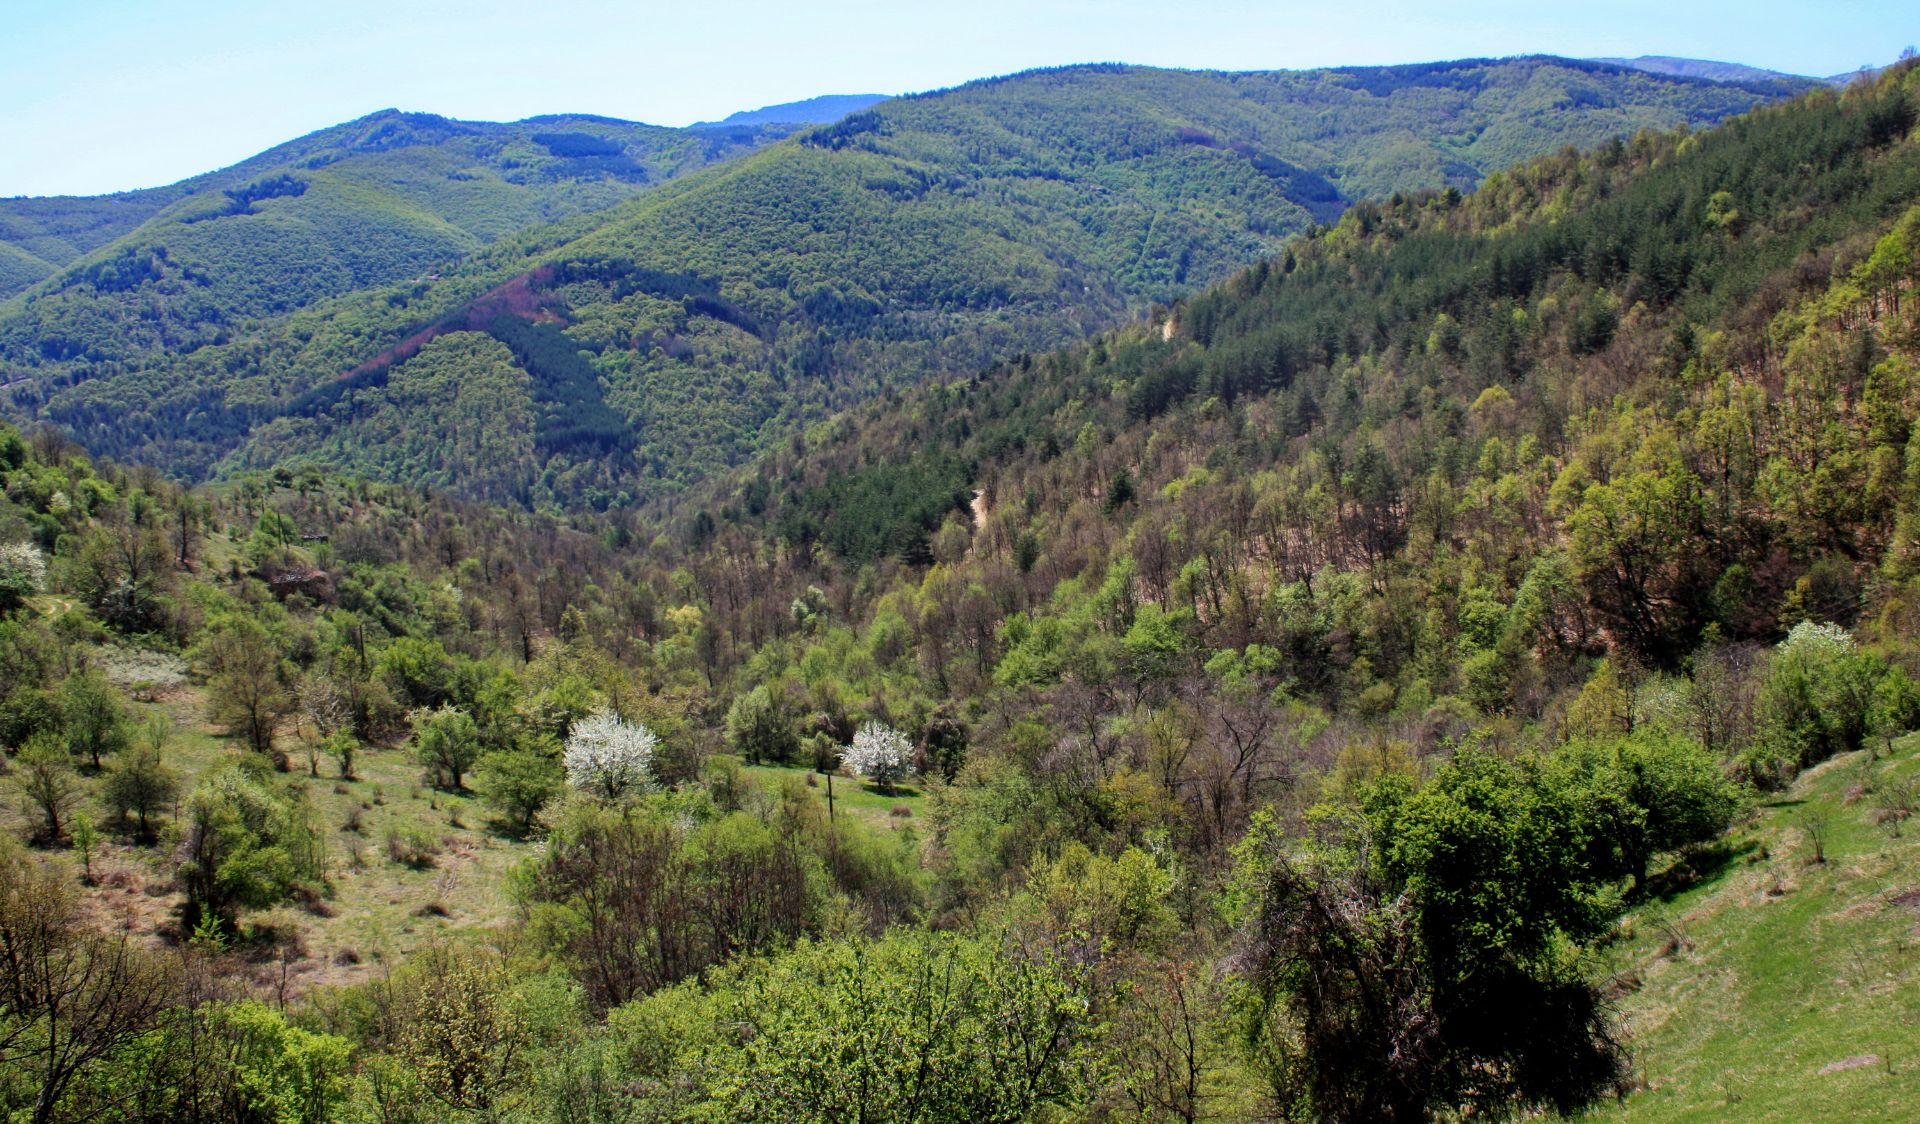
(977, 507)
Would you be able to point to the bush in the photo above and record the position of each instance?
(412, 845)
(1815, 702)
(760, 726)
(518, 783)
(447, 743)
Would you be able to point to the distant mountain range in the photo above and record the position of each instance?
(1729, 71)
(298, 308)
(823, 110)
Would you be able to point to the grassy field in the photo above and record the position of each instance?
(900, 809)
(1785, 984)
(378, 909)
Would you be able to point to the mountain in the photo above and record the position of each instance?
(823, 110)
(643, 347)
(1732, 71)
(368, 202)
(1703, 68)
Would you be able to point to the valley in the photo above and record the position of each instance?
(1099, 594)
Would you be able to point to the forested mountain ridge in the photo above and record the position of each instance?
(921, 238)
(417, 189)
(1392, 684)
(1508, 351)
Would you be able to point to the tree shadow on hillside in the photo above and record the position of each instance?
(894, 792)
(1695, 867)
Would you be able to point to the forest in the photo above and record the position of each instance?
(923, 238)
(1397, 682)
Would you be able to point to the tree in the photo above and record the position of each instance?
(91, 715)
(447, 742)
(341, 745)
(448, 1016)
(1422, 951)
(86, 840)
(231, 1061)
(247, 681)
(120, 570)
(1815, 701)
(44, 775)
(142, 785)
(69, 998)
(518, 783)
(880, 753)
(1633, 544)
(608, 756)
(23, 573)
(26, 712)
(1648, 793)
(760, 726)
(246, 844)
(914, 1026)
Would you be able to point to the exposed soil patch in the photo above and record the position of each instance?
(1858, 1061)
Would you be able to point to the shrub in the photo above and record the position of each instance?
(518, 783)
(412, 846)
(1815, 702)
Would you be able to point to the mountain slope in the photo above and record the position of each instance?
(1425, 584)
(1782, 985)
(1678, 371)
(922, 238)
(400, 190)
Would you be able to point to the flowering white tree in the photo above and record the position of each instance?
(23, 573)
(1808, 640)
(880, 753)
(609, 756)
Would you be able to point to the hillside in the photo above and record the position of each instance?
(922, 238)
(365, 203)
(1425, 675)
(1781, 984)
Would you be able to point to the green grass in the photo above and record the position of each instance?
(1780, 987)
(903, 807)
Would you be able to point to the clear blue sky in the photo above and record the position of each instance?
(102, 95)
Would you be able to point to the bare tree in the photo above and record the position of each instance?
(70, 997)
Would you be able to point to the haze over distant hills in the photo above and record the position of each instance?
(1728, 71)
(641, 347)
(823, 110)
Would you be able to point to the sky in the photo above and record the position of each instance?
(107, 95)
